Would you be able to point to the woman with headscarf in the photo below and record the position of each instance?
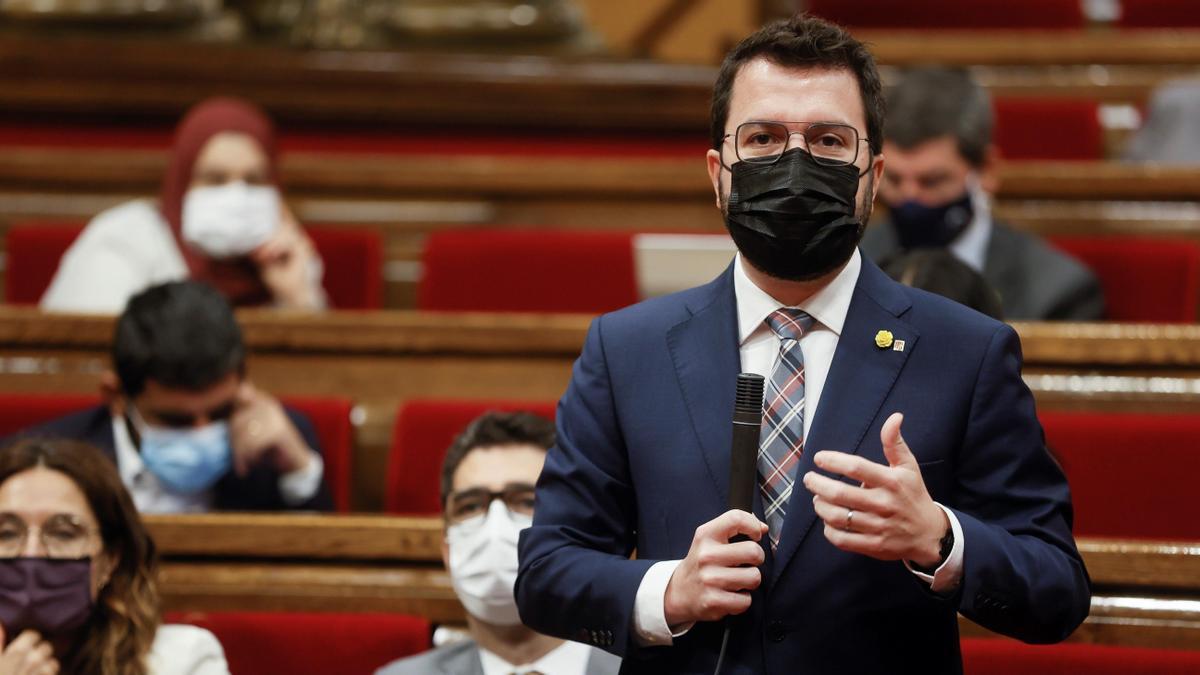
(219, 219)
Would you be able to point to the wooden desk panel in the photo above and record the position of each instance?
(1144, 590)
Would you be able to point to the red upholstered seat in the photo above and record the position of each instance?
(353, 261)
(423, 431)
(1154, 280)
(920, 14)
(331, 420)
(1127, 470)
(21, 410)
(300, 643)
(33, 251)
(528, 271)
(1049, 129)
(999, 656)
(1159, 14)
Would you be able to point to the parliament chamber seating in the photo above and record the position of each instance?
(424, 430)
(1132, 475)
(1159, 14)
(22, 410)
(1144, 280)
(1049, 129)
(1005, 657)
(527, 271)
(302, 643)
(353, 260)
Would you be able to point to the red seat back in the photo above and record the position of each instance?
(423, 432)
(299, 643)
(1001, 656)
(1049, 129)
(353, 259)
(33, 251)
(1159, 14)
(528, 271)
(1126, 470)
(21, 410)
(353, 262)
(335, 431)
(921, 14)
(1154, 280)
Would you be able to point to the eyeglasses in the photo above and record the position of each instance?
(62, 536)
(467, 504)
(829, 143)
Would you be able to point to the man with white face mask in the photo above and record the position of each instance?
(941, 173)
(187, 430)
(487, 497)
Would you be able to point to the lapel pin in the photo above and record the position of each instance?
(883, 339)
(898, 346)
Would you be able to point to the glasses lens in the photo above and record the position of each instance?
(761, 142)
(469, 504)
(12, 536)
(832, 143)
(63, 537)
(519, 499)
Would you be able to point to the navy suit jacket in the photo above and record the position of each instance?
(258, 491)
(642, 460)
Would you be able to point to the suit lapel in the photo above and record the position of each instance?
(860, 378)
(704, 351)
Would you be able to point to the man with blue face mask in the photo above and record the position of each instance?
(487, 499)
(941, 173)
(187, 431)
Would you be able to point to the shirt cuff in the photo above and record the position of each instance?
(947, 576)
(301, 485)
(650, 627)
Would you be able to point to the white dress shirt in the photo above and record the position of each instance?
(150, 496)
(759, 351)
(186, 650)
(971, 245)
(569, 658)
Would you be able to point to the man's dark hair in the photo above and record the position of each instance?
(933, 101)
(803, 42)
(182, 335)
(495, 428)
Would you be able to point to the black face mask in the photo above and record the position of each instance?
(795, 219)
(921, 226)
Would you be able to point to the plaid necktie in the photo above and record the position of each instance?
(782, 440)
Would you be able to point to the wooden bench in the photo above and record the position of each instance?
(1145, 593)
(381, 359)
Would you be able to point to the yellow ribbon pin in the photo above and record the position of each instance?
(883, 339)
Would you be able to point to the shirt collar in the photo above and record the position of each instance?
(971, 246)
(569, 658)
(129, 460)
(827, 306)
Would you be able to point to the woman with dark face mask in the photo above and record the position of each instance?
(77, 573)
(220, 218)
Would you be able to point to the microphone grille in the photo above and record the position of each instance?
(749, 398)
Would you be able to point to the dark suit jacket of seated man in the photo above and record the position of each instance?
(187, 430)
(643, 452)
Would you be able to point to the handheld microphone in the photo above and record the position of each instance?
(743, 455)
(743, 463)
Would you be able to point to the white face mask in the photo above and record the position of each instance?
(483, 563)
(230, 220)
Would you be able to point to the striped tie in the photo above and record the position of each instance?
(782, 440)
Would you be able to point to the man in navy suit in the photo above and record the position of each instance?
(865, 542)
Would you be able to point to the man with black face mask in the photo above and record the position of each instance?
(864, 542)
(938, 185)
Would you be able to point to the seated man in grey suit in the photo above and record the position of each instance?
(940, 175)
(487, 498)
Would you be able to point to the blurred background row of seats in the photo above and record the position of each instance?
(1124, 468)
(1152, 280)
